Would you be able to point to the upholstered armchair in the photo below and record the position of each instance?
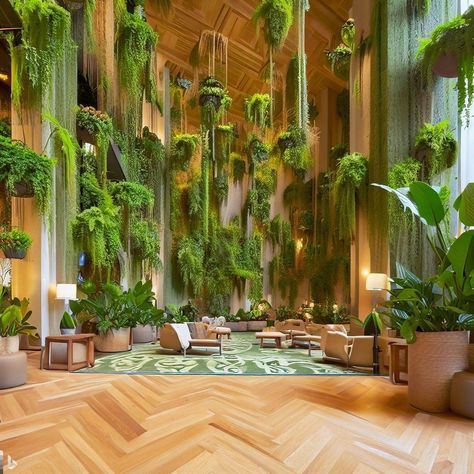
(356, 351)
(290, 325)
(330, 327)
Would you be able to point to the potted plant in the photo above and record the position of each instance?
(237, 322)
(259, 151)
(68, 324)
(257, 110)
(448, 53)
(213, 99)
(435, 315)
(108, 308)
(25, 173)
(14, 318)
(15, 243)
(340, 61)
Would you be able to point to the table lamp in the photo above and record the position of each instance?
(66, 292)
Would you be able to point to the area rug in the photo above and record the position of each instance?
(242, 355)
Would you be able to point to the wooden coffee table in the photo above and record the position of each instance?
(276, 336)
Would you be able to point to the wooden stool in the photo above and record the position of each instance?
(398, 362)
(83, 339)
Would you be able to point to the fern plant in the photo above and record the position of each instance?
(257, 110)
(183, 147)
(340, 61)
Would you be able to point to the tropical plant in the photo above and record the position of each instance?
(257, 110)
(68, 321)
(445, 302)
(436, 148)
(183, 147)
(15, 240)
(14, 318)
(454, 38)
(340, 61)
(350, 176)
(19, 165)
(284, 312)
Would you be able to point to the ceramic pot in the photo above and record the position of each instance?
(14, 253)
(143, 334)
(68, 331)
(115, 340)
(9, 344)
(432, 361)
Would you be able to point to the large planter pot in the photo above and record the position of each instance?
(9, 344)
(13, 369)
(446, 66)
(15, 253)
(143, 334)
(115, 340)
(432, 361)
(236, 326)
(256, 325)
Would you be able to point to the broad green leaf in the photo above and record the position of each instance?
(461, 255)
(428, 202)
(408, 332)
(464, 204)
(407, 275)
(402, 195)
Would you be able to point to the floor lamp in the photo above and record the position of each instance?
(376, 282)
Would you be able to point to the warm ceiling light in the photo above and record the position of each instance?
(3, 77)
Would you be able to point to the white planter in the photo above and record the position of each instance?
(9, 344)
(256, 325)
(68, 331)
(432, 361)
(143, 334)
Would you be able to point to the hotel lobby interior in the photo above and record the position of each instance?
(236, 236)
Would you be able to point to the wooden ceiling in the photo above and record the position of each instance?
(248, 55)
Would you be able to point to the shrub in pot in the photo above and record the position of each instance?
(15, 243)
(435, 315)
(68, 324)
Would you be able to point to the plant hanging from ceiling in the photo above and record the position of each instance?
(276, 17)
(449, 52)
(350, 176)
(436, 148)
(348, 33)
(46, 36)
(257, 110)
(295, 150)
(183, 147)
(340, 61)
(145, 242)
(239, 166)
(25, 173)
(258, 150)
(214, 101)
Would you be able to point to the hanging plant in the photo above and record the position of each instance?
(15, 243)
(295, 150)
(45, 38)
(91, 194)
(214, 101)
(258, 150)
(225, 136)
(25, 173)
(259, 196)
(348, 33)
(97, 232)
(239, 167)
(135, 196)
(191, 263)
(449, 52)
(350, 176)
(257, 110)
(221, 186)
(436, 148)
(145, 242)
(183, 147)
(338, 151)
(340, 61)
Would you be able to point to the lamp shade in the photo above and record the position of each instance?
(66, 291)
(376, 282)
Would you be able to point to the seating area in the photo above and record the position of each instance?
(237, 236)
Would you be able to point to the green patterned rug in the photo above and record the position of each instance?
(242, 355)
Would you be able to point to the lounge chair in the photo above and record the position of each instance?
(178, 338)
(356, 351)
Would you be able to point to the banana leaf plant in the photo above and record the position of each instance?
(444, 302)
(14, 319)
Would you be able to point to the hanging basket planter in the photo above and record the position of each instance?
(210, 99)
(447, 66)
(260, 151)
(285, 142)
(24, 190)
(16, 254)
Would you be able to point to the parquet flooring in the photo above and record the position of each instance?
(68, 423)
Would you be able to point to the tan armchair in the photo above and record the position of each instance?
(169, 339)
(330, 327)
(290, 325)
(356, 351)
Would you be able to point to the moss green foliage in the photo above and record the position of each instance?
(183, 147)
(277, 18)
(224, 136)
(265, 182)
(455, 37)
(145, 242)
(258, 150)
(239, 166)
(348, 33)
(351, 175)
(191, 262)
(421, 6)
(21, 165)
(257, 110)
(89, 9)
(337, 152)
(214, 101)
(69, 147)
(46, 35)
(5, 128)
(325, 279)
(133, 195)
(91, 194)
(436, 148)
(97, 232)
(15, 239)
(135, 45)
(295, 150)
(401, 175)
(221, 187)
(340, 61)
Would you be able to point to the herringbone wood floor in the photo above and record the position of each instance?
(66, 423)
